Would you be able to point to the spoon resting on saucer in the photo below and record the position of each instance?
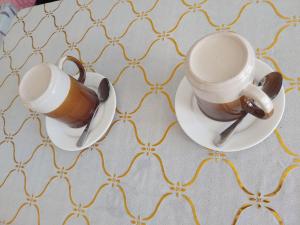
(271, 85)
(103, 92)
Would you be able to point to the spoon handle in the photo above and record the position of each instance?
(86, 130)
(222, 137)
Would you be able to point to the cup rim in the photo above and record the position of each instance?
(41, 104)
(40, 97)
(241, 76)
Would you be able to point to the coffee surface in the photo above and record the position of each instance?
(218, 58)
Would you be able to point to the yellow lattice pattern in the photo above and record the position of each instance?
(25, 36)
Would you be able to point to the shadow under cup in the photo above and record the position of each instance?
(48, 90)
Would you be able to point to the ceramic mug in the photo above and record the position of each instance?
(220, 68)
(47, 89)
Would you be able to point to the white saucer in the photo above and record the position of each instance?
(203, 130)
(65, 137)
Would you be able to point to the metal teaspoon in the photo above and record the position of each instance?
(103, 91)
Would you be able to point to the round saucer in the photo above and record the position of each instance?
(203, 130)
(65, 137)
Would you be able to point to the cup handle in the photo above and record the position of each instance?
(261, 98)
(82, 73)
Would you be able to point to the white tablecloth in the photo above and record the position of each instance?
(146, 170)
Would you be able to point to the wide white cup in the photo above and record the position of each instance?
(220, 68)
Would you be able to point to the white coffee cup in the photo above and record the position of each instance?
(220, 68)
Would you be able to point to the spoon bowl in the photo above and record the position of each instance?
(271, 85)
(103, 90)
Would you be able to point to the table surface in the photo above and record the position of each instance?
(146, 170)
